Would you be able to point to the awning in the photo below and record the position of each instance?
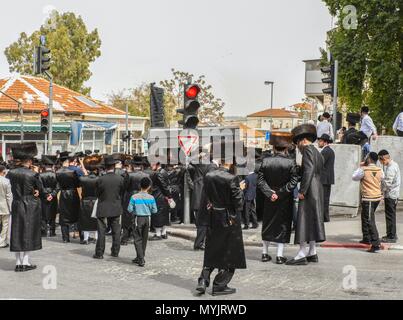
(64, 127)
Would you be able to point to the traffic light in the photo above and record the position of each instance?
(42, 60)
(45, 121)
(157, 114)
(329, 72)
(191, 107)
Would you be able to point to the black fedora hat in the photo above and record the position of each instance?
(280, 139)
(24, 151)
(326, 137)
(48, 160)
(110, 160)
(303, 131)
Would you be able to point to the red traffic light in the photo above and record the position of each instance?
(44, 113)
(192, 91)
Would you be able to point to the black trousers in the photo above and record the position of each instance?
(250, 212)
(369, 229)
(141, 226)
(201, 233)
(390, 215)
(114, 223)
(399, 133)
(222, 278)
(327, 189)
(65, 228)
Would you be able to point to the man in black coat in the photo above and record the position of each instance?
(278, 177)
(310, 226)
(69, 200)
(350, 136)
(26, 213)
(110, 191)
(49, 200)
(327, 176)
(197, 172)
(224, 250)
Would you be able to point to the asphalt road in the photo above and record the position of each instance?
(172, 269)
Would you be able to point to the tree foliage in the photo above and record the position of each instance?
(72, 47)
(370, 56)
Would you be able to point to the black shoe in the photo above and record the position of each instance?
(281, 260)
(28, 268)
(115, 255)
(201, 247)
(95, 256)
(84, 242)
(223, 290)
(66, 240)
(374, 249)
(246, 228)
(164, 236)
(388, 240)
(136, 260)
(298, 262)
(266, 258)
(141, 263)
(255, 226)
(18, 268)
(201, 287)
(313, 258)
(155, 237)
(123, 243)
(364, 241)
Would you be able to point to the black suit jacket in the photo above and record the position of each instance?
(327, 176)
(110, 190)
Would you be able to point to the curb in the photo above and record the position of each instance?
(191, 235)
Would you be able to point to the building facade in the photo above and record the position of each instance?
(79, 123)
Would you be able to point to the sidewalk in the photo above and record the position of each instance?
(341, 232)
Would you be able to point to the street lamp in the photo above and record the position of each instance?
(270, 83)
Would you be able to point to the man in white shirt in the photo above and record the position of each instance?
(398, 125)
(391, 192)
(325, 127)
(367, 125)
(6, 199)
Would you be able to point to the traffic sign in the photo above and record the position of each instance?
(188, 140)
(267, 135)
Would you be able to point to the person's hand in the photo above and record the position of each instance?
(301, 196)
(242, 185)
(374, 137)
(36, 193)
(274, 197)
(49, 197)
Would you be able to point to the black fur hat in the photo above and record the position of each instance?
(280, 139)
(304, 131)
(24, 151)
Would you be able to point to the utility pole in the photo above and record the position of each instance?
(335, 97)
(50, 133)
(127, 129)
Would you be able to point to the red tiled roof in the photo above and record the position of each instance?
(275, 113)
(34, 94)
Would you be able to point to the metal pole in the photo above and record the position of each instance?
(336, 74)
(22, 121)
(186, 199)
(127, 129)
(50, 133)
(272, 89)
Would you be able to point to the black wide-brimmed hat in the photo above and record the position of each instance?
(110, 160)
(280, 139)
(66, 155)
(92, 162)
(326, 137)
(353, 118)
(305, 130)
(137, 161)
(48, 160)
(24, 151)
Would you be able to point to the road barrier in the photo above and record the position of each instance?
(394, 145)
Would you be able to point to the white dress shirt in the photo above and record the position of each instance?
(367, 126)
(398, 125)
(391, 183)
(324, 127)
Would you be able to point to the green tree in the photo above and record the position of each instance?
(370, 56)
(211, 112)
(72, 47)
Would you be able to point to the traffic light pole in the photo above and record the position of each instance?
(50, 132)
(186, 198)
(335, 97)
